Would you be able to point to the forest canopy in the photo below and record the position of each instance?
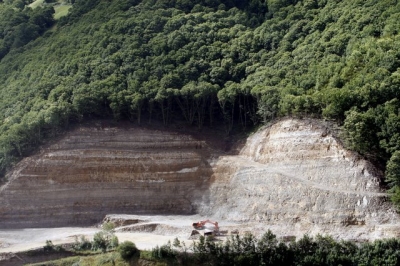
(203, 61)
(20, 24)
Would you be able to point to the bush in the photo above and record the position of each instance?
(114, 242)
(104, 240)
(99, 241)
(82, 244)
(163, 252)
(108, 226)
(127, 250)
(49, 246)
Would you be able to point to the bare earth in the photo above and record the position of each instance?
(167, 228)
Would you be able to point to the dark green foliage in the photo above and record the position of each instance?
(127, 250)
(381, 252)
(236, 63)
(357, 127)
(393, 176)
(100, 241)
(49, 247)
(80, 8)
(104, 240)
(22, 25)
(164, 252)
(321, 250)
(268, 250)
(82, 244)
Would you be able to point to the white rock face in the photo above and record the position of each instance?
(296, 178)
(292, 177)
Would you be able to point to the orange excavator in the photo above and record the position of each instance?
(202, 225)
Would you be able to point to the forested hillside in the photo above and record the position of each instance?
(204, 62)
(20, 25)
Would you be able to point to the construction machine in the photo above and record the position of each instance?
(213, 229)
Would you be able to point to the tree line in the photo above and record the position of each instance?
(269, 250)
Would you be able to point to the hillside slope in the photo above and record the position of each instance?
(237, 63)
(292, 176)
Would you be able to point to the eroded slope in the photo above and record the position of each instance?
(96, 171)
(293, 177)
(297, 177)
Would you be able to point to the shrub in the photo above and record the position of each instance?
(104, 240)
(82, 244)
(108, 226)
(114, 242)
(127, 250)
(49, 246)
(99, 241)
(163, 252)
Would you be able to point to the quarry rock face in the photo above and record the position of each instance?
(293, 177)
(296, 178)
(96, 171)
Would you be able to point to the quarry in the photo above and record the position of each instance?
(292, 177)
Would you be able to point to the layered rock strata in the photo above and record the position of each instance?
(293, 177)
(93, 172)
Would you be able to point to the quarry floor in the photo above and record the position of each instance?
(167, 228)
(157, 230)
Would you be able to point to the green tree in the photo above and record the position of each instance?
(268, 99)
(358, 127)
(393, 177)
(127, 250)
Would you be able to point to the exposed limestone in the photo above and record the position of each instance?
(293, 177)
(296, 178)
(119, 221)
(93, 172)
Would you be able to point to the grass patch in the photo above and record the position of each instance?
(61, 262)
(105, 259)
(61, 11)
(61, 8)
(146, 255)
(36, 3)
(110, 259)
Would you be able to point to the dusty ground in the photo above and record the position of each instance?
(152, 231)
(157, 230)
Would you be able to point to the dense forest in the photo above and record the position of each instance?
(204, 62)
(19, 25)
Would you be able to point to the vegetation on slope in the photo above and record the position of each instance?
(205, 61)
(248, 250)
(20, 25)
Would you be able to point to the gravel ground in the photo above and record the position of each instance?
(157, 230)
(165, 228)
